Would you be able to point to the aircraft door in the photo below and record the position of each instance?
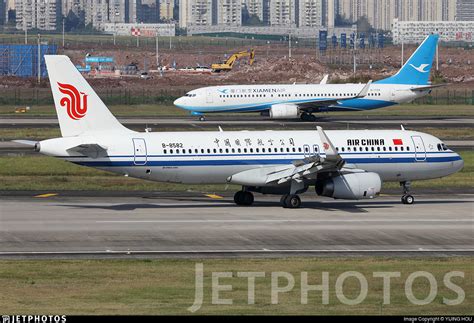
(306, 151)
(209, 98)
(139, 151)
(420, 151)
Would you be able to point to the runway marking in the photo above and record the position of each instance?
(283, 221)
(264, 250)
(46, 195)
(214, 196)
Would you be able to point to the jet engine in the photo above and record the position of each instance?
(283, 111)
(353, 186)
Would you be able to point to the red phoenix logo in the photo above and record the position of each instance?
(326, 146)
(75, 107)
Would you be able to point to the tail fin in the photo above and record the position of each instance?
(417, 68)
(79, 108)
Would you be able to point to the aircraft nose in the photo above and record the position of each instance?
(179, 102)
(458, 164)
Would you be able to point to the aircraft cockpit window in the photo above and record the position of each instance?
(444, 147)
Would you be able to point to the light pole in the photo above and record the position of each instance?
(157, 54)
(63, 30)
(39, 58)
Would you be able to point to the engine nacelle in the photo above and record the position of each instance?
(354, 186)
(283, 111)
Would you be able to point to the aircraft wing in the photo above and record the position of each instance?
(309, 106)
(89, 150)
(306, 168)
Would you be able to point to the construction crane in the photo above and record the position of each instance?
(227, 66)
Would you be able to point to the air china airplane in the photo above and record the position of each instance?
(285, 101)
(339, 164)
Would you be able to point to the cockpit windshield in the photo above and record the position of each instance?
(442, 147)
(190, 94)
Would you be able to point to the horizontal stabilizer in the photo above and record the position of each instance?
(26, 142)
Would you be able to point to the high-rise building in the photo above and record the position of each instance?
(38, 14)
(3, 12)
(380, 13)
(229, 12)
(166, 9)
(254, 8)
(465, 10)
(282, 13)
(183, 13)
(199, 12)
(310, 13)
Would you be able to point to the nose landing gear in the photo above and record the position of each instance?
(407, 198)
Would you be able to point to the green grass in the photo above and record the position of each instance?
(166, 286)
(139, 110)
(50, 174)
(152, 110)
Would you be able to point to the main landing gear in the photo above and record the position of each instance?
(407, 198)
(308, 117)
(290, 201)
(243, 198)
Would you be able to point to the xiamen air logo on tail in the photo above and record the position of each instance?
(421, 68)
(75, 107)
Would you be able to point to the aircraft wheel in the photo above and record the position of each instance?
(283, 200)
(202, 118)
(292, 201)
(243, 198)
(408, 199)
(248, 198)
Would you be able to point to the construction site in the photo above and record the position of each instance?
(171, 67)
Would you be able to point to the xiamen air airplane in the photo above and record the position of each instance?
(286, 101)
(349, 164)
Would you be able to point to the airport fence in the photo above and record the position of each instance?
(43, 96)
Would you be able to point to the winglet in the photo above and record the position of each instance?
(365, 90)
(325, 79)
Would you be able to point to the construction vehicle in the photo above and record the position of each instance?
(227, 66)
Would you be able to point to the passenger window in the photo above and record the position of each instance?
(408, 148)
(164, 151)
(287, 150)
(342, 148)
(245, 150)
(233, 150)
(401, 148)
(208, 151)
(190, 151)
(171, 151)
(251, 150)
(372, 148)
(396, 148)
(202, 151)
(220, 150)
(227, 150)
(366, 148)
(390, 148)
(257, 150)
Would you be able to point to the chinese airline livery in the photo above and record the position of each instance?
(339, 164)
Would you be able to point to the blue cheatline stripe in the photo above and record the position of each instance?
(301, 155)
(259, 162)
(358, 104)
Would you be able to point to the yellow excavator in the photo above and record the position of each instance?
(227, 66)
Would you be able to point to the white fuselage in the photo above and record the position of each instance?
(211, 157)
(252, 98)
